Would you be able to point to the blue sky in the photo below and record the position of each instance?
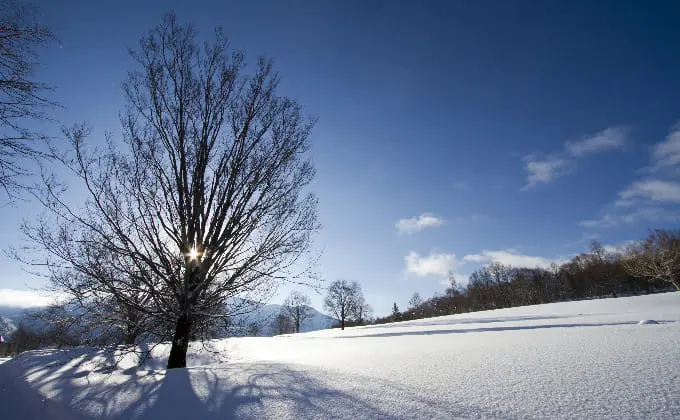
(493, 130)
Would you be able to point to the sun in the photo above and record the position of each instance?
(193, 254)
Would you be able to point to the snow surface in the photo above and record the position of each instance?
(586, 359)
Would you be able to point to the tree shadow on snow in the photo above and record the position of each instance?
(491, 329)
(256, 391)
(453, 320)
(70, 380)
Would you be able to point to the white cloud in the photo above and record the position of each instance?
(25, 298)
(513, 258)
(650, 214)
(607, 220)
(435, 264)
(476, 257)
(544, 170)
(667, 153)
(609, 139)
(416, 224)
(652, 199)
(650, 189)
(619, 248)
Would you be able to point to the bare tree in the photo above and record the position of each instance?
(415, 301)
(253, 329)
(89, 275)
(205, 198)
(360, 311)
(282, 324)
(21, 96)
(657, 258)
(363, 312)
(342, 300)
(297, 306)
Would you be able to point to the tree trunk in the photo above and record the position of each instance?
(180, 343)
(342, 323)
(676, 284)
(130, 334)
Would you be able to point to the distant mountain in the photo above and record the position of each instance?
(10, 318)
(265, 315)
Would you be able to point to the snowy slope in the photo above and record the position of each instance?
(588, 359)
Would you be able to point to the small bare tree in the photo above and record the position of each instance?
(282, 324)
(205, 199)
(21, 96)
(415, 301)
(657, 258)
(298, 307)
(343, 299)
(363, 313)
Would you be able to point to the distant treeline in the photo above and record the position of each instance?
(652, 265)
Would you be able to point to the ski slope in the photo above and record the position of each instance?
(586, 359)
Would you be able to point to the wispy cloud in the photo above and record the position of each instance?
(654, 214)
(435, 264)
(25, 298)
(666, 154)
(544, 170)
(609, 139)
(416, 224)
(651, 199)
(655, 190)
(513, 258)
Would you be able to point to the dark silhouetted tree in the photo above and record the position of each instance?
(205, 196)
(415, 301)
(282, 324)
(396, 315)
(342, 300)
(21, 95)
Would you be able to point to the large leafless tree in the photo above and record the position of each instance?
(657, 258)
(298, 307)
(206, 197)
(22, 98)
(344, 300)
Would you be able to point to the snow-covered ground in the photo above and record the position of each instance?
(588, 359)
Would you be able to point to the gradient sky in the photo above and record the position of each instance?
(494, 130)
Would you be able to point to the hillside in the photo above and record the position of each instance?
(584, 359)
(264, 315)
(10, 318)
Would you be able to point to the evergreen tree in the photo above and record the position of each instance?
(396, 315)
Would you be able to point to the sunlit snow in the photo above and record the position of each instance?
(586, 359)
